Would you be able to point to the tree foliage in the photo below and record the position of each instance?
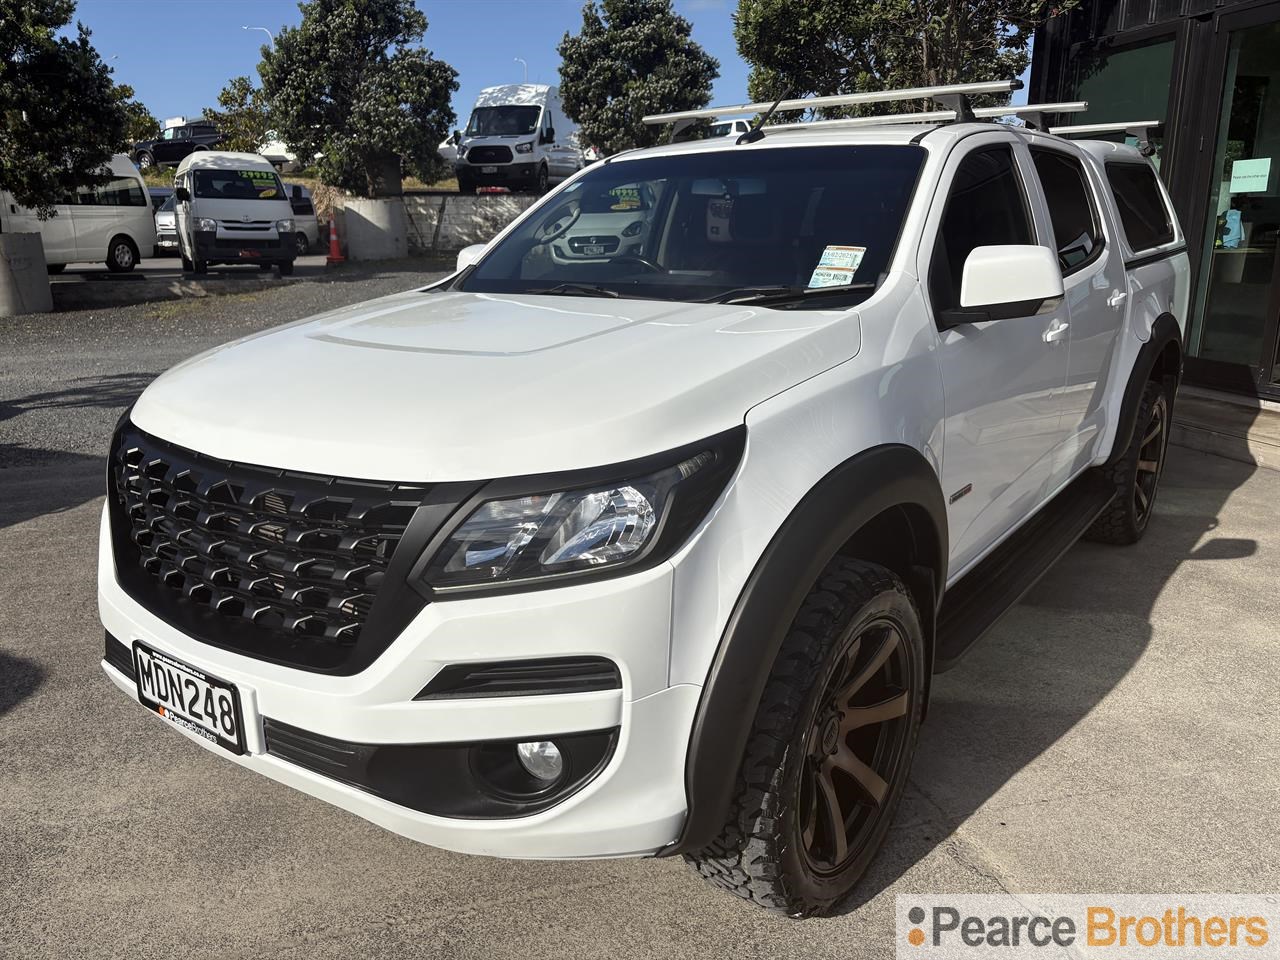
(60, 120)
(139, 122)
(244, 120)
(351, 83)
(631, 58)
(825, 47)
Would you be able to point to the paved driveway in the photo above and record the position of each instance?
(1117, 732)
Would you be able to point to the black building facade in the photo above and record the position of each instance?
(1210, 70)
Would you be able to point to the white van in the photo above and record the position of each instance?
(518, 137)
(111, 223)
(232, 208)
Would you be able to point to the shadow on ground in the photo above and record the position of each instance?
(49, 481)
(112, 390)
(1051, 662)
(19, 679)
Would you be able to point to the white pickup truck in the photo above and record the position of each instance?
(653, 549)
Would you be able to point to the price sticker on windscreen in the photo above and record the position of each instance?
(836, 266)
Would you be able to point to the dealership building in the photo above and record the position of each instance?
(1210, 70)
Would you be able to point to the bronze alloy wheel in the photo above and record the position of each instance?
(855, 745)
(1151, 451)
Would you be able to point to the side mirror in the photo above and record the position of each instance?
(469, 255)
(550, 135)
(1000, 282)
(182, 193)
(457, 137)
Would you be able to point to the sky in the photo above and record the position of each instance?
(177, 54)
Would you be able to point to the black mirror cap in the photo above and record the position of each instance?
(549, 136)
(182, 193)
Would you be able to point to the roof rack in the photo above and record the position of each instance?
(1033, 114)
(954, 96)
(1140, 130)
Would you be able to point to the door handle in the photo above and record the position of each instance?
(1117, 297)
(1057, 332)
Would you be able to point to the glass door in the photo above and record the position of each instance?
(1234, 322)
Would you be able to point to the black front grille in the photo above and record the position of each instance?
(274, 564)
(489, 154)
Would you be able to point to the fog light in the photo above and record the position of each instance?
(541, 758)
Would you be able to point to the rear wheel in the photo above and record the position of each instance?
(145, 160)
(830, 749)
(122, 256)
(1136, 475)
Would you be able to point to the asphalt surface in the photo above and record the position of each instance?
(1117, 732)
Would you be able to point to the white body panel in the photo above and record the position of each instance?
(82, 231)
(455, 386)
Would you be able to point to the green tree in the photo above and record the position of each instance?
(631, 58)
(139, 123)
(352, 83)
(244, 121)
(825, 47)
(60, 120)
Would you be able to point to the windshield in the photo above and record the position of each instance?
(509, 121)
(169, 202)
(703, 225)
(238, 185)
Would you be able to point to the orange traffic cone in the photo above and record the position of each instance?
(335, 251)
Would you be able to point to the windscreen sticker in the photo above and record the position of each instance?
(836, 266)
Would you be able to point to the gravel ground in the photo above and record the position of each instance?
(94, 362)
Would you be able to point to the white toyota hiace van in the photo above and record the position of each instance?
(232, 208)
(518, 137)
(111, 223)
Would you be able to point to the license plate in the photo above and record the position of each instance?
(189, 698)
(593, 249)
(250, 253)
(488, 169)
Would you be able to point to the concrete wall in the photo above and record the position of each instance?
(447, 223)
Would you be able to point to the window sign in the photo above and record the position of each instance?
(1250, 176)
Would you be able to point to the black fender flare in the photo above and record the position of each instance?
(842, 503)
(1164, 331)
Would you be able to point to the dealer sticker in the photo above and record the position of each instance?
(831, 277)
(835, 256)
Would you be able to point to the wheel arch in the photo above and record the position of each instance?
(884, 505)
(1160, 358)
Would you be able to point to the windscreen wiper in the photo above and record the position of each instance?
(578, 290)
(784, 294)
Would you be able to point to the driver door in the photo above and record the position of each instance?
(1003, 379)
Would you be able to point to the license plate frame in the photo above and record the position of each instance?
(191, 720)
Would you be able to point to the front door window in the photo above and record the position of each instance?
(1235, 316)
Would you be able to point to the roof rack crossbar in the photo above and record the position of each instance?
(1140, 130)
(939, 116)
(840, 100)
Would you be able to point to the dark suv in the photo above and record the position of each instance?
(174, 144)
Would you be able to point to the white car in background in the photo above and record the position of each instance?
(604, 224)
(166, 244)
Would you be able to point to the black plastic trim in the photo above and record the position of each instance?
(691, 500)
(1164, 331)
(467, 780)
(990, 590)
(119, 656)
(1155, 257)
(843, 502)
(523, 678)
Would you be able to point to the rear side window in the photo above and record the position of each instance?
(1142, 210)
(1075, 224)
(123, 192)
(986, 207)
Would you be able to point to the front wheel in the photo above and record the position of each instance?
(301, 244)
(830, 749)
(145, 160)
(1136, 475)
(285, 267)
(541, 184)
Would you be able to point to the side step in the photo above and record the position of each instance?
(988, 591)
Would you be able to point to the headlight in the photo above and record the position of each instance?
(633, 229)
(206, 224)
(524, 147)
(285, 225)
(609, 521)
(462, 153)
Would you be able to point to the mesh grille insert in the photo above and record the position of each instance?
(281, 565)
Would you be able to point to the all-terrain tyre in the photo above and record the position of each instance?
(830, 748)
(1136, 475)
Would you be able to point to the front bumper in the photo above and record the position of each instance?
(212, 248)
(502, 175)
(634, 805)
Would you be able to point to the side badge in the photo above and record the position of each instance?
(967, 488)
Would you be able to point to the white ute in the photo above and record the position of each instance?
(652, 549)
